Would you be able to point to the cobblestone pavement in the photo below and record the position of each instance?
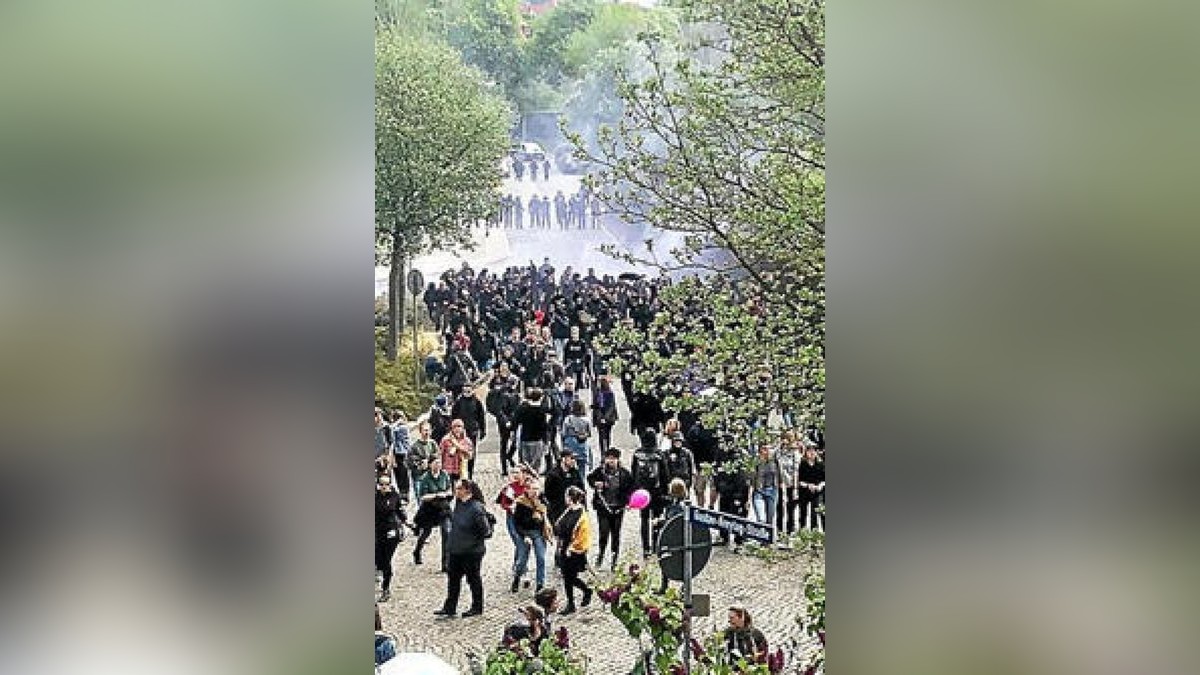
(772, 591)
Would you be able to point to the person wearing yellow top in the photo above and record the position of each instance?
(574, 533)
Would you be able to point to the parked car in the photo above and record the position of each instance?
(528, 151)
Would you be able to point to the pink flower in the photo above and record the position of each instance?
(561, 638)
(655, 615)
(697, 648)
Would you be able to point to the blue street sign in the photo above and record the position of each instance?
(741, 527)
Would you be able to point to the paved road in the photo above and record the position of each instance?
(772, 591)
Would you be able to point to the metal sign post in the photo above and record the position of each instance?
(416, 357)
(416, 282)
(685, 550)
(670, 543)
(687, 588)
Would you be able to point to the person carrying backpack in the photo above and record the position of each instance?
(650, 473)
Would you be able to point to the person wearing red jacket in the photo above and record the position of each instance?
(518, 481)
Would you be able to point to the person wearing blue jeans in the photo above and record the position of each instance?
(530, 521)
(519, 480)
(765, 485)
(576, 431)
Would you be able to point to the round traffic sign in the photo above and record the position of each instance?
(671, 537)
(416, 281)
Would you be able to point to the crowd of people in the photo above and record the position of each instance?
(577, 211)
(520, 346)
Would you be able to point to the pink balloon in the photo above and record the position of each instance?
(640, 499)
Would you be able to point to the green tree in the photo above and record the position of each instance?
(487, 34)
(552, 33)
(439, 137)
(406, 16)
(721, 143)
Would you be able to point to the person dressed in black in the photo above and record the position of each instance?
(469, 409)
(577, 359)
(604, 411)
(532, 421)
(811, 484)
(460, 371)
(439, 417)
(680, 463)
(645, 412)
(733, 491)
(470, 528)
(389, 527)
(650, 474)
(559, 479)
(574, 533)
(503, 398)
(613, 485)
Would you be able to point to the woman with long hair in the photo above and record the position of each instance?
(574, 533)
(532, 523)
